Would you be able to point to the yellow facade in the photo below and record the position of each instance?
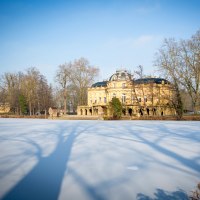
(149, 96)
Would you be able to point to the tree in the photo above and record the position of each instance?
(22, 104)
(168, 63)
(195, 193)
(139, 72)
(189, 69)
(44, 94)
(63, 79)
(82, 76)
(180, 63)
(116, 108)
(74, 78)
(30, 88)
(72, 98)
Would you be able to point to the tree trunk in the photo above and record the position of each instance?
(30, 107)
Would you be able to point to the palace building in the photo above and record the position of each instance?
(140, 97)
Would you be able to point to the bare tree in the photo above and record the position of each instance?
(189, 69)
(168, 63)
(44, 93)
(30, 88)
(139, 73)
(82, 76)
(63, 79)
(74, 79)
(180, 62)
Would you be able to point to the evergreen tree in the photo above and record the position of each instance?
(22, 104)
(116, 108)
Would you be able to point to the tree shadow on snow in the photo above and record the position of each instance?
(45, 179)
(189, 163)
(91, 190)
(164, 195)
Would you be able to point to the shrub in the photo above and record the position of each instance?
(196, 193)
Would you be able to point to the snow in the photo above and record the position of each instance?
(104, 160)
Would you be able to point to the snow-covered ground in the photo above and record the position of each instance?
(104, 160)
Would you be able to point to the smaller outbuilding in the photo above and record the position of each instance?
(53, 112)
(4, 108)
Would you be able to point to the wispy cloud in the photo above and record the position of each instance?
(143, 40)
(137, 42)
(148, 8)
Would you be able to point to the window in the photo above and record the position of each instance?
(104, 99)
(145, 99)
(99, 99)
(123, 98)
(139, 99)
(123, 85)
(114, 95)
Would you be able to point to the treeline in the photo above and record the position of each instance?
(26, 92)
(29, 92)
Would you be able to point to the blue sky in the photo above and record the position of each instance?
(111, 34)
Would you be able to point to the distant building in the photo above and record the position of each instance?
(55, 112)
(4, 108)
(148, 96)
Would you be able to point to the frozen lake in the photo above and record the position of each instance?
(103, 160)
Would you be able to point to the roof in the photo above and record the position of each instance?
(138, 81)
(151, 80)
(120, 75)
(100, 84)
